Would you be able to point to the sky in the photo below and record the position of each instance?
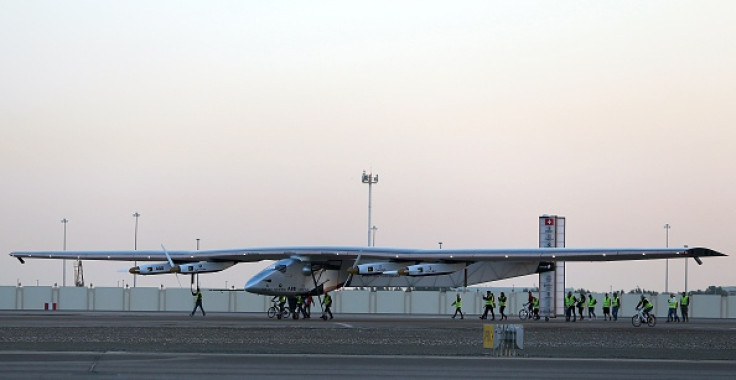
(249, 124)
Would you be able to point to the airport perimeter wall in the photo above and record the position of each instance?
(345, 301)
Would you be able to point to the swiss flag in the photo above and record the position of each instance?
(549, 222)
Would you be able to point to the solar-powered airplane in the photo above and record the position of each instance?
(318, 270)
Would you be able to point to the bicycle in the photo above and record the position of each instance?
(525, 313)
(640, 318)
(274, 311)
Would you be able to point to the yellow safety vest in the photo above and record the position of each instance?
(646, 304)
(673, 303)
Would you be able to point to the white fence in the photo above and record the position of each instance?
(345, 301)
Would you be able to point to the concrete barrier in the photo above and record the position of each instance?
(345, 301)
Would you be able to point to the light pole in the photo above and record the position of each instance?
(440, 243)
(136, 215)
(667, 261)
(197, 244)
(370, 179)
(686, 260)
(374, 229)
(63, 276)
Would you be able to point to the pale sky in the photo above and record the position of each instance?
(249, 123)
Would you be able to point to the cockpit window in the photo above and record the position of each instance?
(280, 266)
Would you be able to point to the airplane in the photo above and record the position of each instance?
(320, 269)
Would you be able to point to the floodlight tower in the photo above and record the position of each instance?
(370, 179)
(63, 276)
(136, 215)
(667, 261)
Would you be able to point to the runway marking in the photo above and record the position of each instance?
(146, 356)
(344, 325)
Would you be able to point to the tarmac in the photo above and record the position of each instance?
(65, 344)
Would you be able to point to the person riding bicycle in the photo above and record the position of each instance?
(645, 305)
(282, 301)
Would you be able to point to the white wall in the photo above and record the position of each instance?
(345, 301)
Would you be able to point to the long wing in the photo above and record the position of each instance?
(389, 254)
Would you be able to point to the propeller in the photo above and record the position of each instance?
(174, 268)
(351, 271)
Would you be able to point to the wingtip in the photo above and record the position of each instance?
(701, 251)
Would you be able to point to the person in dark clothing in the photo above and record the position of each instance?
(581, 305)
(198, 303)
(308, 307)
(570, 301)
(502, 305)
(294, 307)
(490, 301)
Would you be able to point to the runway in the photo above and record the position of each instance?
(163, 345)
(60, 365)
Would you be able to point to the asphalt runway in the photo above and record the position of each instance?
(166, 345)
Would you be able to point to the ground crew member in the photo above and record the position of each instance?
(502, 305)
(684, 305)
(591, 306)
(490, 300)
(570, 307)
(299, 307)
(328, 305)
(198, 303)
(458, 307)
(646, 306)
(282, 303)
(606, 307)
(581, 305)
(616, 303)
(308, 307)
(672, 312)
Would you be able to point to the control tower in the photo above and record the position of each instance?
(552, 276)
